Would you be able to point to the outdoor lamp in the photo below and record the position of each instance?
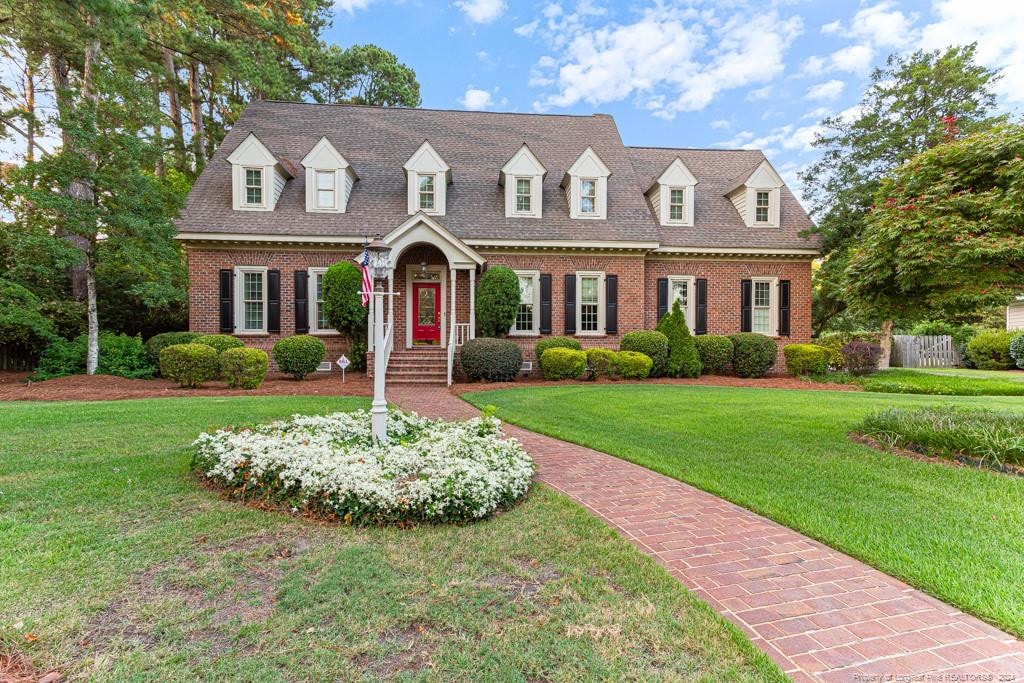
(380, 258)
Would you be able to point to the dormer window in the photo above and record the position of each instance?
(326, 189)
(761, 206)
(523, 179)
(672, 195)
(676, 204)
(426, 190)
(254, 187)
(756, 196)
(329, 179)
(586, 187)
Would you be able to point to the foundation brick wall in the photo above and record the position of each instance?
(637, 277)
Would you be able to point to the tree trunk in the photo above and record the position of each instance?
(30, 111)
(886, 343)
(175, 110)
(159, 168)
(196, 108)
(92, 356)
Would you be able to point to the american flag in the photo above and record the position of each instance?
(364, 263)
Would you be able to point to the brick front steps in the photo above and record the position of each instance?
(422, 366)
(820, 614)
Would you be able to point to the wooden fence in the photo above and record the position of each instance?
(12, 358)
(924, 351)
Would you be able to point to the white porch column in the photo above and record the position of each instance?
(370, 319)
(391, 301)
(472, 303)
(454, 274)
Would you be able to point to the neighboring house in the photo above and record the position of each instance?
(1015, 315)
(604, 237)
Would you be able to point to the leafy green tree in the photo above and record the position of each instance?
(362, 74)
(497, 301)
(343, 306)
(683, 357)
(22, 325)
(946, 236)
(914, 103)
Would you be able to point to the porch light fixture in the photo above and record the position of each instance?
(423, 268)
(380, 258)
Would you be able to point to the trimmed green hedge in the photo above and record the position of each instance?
(189, 364)
(300, 355)
(158, 342)
(559, 363)
(219, 342)
(119, 355)
(715, 353)
(555, 343)
(806, 359)
(652, 344)
(1017, 349)
(493, 360)
(991, 350)
(633, 365)
(497, 301)
(603, 363)
(244, 368)
(753, 354)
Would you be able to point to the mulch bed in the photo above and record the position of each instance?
(770, 382)
(14, 386)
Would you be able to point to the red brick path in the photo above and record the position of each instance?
(821, 615)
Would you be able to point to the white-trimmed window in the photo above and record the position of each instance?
(764, 306)
(253, 187)
(588, 196)
(590, 303)
(326, 189)
(426, 192)
(524, 195)
(762, 206)
(681, 288)
(677, 204)
(251, 298)
(317, 319)
(528, 315)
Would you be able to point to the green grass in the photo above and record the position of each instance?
(953, 532)
(1010, 375)
(126, 569)
(916, 381)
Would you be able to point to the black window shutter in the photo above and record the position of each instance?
(784, 308)
(301, 302)
(662, 297)
(700, 323)
(611, 304)
(746, 297)
(545, 303)
(570, 303)
(273, 301)
(227, 301)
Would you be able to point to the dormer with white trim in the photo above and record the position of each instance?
(523, 180)
(329, 179)
(757, 197)
(257, 177)
(672, 195)
(586, 187)
(427, 177)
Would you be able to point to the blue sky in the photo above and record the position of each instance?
(687, 74)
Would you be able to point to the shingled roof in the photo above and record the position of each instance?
(378, 141)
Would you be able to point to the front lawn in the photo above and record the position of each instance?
(116, 565)
(946, 382)
(953, 532)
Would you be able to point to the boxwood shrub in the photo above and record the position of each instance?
(753, 354)
(244, 368)
(300, 355)
(991, 350)
(555, 343)
(158, 342)
(806, 359)
(493, 360)
(220, 342)
(602, 363)
(559, 363)
(633, 365)
(715, 353)
(189, 364)
(652, 344)
(1017, 349)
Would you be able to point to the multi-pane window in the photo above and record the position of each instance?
(588, 195)
(762, 312)
(253, 301)
(590, 303)
(254, 186)
(524, 194)
(681, 289)
(325, 189)
(426, 190)
(526, 315)
(761, 206)
(676, 204)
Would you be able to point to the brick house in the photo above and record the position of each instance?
(603, 236)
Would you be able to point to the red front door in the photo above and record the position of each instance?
(426, 313)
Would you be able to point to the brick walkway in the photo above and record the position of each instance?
(821, 615)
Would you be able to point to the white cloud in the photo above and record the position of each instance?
(476, 99)
(996, 26)
(883, 26)
(527, 30)
(818, 113)
(828, 91)
(720, 124)
(813, 66)
(660, 58)
(855, 59)
(351, 6)
(789, 138)
(480, 11)
(759, 94)
(832, 27)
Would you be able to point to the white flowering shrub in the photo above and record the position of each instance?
(430, 470)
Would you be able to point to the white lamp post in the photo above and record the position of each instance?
(380, 265)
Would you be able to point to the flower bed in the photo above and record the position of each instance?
(431, 470)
